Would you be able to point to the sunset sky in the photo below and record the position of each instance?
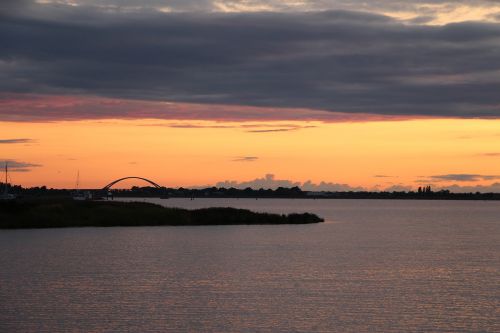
(326, 95)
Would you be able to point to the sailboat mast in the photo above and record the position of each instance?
(6, 170)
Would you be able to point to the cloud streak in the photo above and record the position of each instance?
(490, 154)
(464, 177)
(18, 166)
(284, 129)
(15, 141)
(246, 159)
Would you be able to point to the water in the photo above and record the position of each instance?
(374, 266)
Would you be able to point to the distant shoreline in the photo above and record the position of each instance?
(314, 198)
(63, 213)
(281, 193)
(495, 198)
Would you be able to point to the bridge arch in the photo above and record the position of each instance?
(107, 187)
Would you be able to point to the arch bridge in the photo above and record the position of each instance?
(107, 187)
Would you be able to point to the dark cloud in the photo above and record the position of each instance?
(17, 166)
(10, 141)
(422, 19)
(14, 6)
(246, 159)
(463, 177)
(340, 61)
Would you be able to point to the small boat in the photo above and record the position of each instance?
(80, 195)
(85, 195)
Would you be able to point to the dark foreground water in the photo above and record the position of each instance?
(375, 266)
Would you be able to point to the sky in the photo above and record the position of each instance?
(325, 95)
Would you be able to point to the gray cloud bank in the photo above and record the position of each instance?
(269, 181)
(340, 61)
(493, 188)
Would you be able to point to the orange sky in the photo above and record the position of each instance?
(194, 153)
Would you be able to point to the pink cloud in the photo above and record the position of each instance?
(44, 108)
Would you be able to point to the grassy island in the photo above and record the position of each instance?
(60, 213)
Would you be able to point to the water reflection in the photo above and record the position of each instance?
(384, 266)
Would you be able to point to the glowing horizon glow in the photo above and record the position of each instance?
(202, 153)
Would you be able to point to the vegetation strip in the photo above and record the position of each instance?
(51, 213)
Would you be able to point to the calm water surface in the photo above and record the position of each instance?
(374, 266)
